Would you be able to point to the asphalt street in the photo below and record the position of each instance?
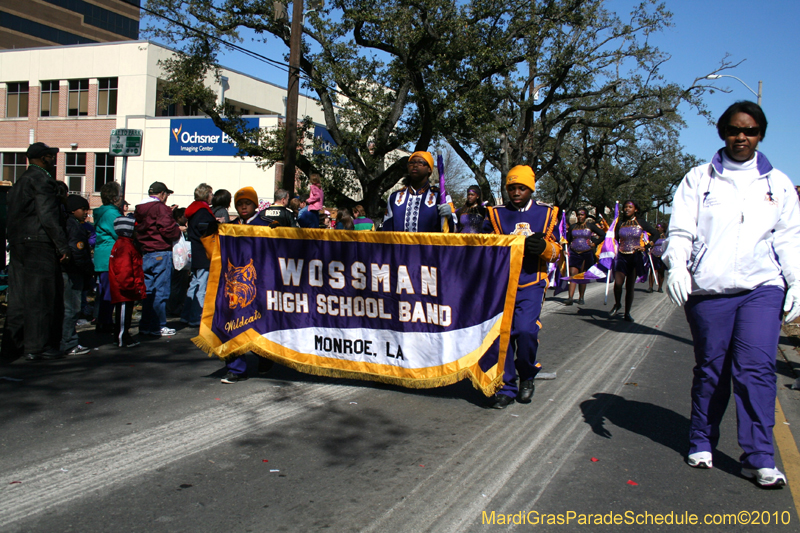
(148, 439)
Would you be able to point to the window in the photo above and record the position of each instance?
(17, 100)
(14, 164)
(103, 170)
(107, 96)
(78, 98)
(76, 163)
(75, 171)
(49, 107)
(75, 184)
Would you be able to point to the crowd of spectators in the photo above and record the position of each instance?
(59, 260)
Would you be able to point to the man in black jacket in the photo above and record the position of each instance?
(38, 244)
(278, 214)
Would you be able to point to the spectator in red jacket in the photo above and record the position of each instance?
(156, 230)
(126, 277)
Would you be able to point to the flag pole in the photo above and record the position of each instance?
(653, 268)
(442, 191)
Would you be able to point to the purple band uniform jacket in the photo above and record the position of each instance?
(536, 217)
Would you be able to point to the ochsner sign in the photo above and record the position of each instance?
(199, 136)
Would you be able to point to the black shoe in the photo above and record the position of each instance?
(660, 289)
(525, 391)
(615, 310)
(500, 401)
(45, 356)
(628, 317)
(231, 378)
(581, 302)
(650, 290)
(568, 302)
(128, 342)
(264, 365)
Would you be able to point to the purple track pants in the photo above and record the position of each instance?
(736, 339)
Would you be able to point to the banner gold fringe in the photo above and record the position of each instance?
(429, 383)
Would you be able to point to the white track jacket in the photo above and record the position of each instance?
(744, 224)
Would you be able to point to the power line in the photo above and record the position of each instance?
(282, 66)
(255, 55)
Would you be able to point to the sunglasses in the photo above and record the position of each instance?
(733, 131)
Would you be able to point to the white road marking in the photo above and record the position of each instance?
(45, 486)
(447, 500)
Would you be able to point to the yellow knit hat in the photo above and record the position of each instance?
(424, 155)
(247, 193)
(522, 174)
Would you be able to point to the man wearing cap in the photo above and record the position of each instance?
(156, 230)
(415, 207)
(538, 222)
(38, 244)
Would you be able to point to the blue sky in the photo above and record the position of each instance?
(763, 33)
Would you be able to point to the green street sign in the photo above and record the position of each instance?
(125, 142)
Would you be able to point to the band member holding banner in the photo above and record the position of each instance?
(583, 237)
(538, 222)
(246, 202)
(415, 208)
(470, 217)
(630, 261)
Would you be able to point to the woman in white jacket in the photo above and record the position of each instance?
(732, 251)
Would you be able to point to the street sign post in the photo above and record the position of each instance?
(125, 143)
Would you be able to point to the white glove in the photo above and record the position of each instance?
(679, 285)
(791, 305)
(444, 210)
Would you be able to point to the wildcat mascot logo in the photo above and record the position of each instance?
(240, 285)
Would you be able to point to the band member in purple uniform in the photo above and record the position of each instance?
(539, 222)
(583, 237)
(630, 261)
(469, 219)
(732, 252)
(415, 207)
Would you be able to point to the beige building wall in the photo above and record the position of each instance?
(135, 64)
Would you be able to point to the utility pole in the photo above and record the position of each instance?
(290, 150)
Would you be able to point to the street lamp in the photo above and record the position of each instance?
(718, 76)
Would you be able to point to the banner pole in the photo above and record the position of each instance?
(608, 280)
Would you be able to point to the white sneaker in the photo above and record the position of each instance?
(766, 477)
(78, 350)
(167, 332)
(700, 460)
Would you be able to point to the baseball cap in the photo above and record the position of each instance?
(37, 150)
(158, 187)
